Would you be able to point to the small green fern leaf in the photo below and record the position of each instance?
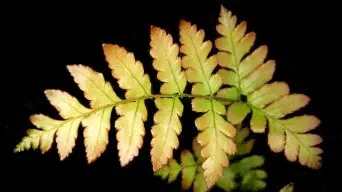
(244, 173)
(171, 171)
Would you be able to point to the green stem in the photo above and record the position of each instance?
(153, 96)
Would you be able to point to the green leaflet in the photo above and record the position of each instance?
(243, 174)
(237, 112)
(189, 168)
(170, 171)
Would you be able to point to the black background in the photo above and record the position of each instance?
(38, 41)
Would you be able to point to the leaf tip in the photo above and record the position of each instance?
(223, 9)
(154, 30)
(183, 24)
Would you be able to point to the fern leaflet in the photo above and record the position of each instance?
(167, 124)
(268, 102)
(216, 133)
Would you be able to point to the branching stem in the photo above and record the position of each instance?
(154, 96)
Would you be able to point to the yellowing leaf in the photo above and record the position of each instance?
(49, 126)
(252, 61)
(268, 94)
(250, 73)
(101, 95)
(299, 144)
(301, 124)
(167, 124)
(258, 122)
(196, 147)
(229, 93)
(216, 133)
(67, 105)
(228, 77)
(286, 134)
(66, 137)
(276, 136)
(196, 62)
(96, 130)
(216, 140)
(165, 131)
(166, 61)
(43, 138)
(128, 71)
(237, 112)
(189, 168)
(44, 122)
(130, 76)
(287, 105)
(131, 129)
(259, 77)
(95, 88)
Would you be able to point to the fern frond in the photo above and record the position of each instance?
(242, 73)
(101, 96)
(130, 76)
(244, 173)
(167, 124)
(268, 102)
(68, 107)
(217, 133)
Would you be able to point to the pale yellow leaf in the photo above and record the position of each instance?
(130, 125)
(258, 78)
(66, 137)
(228, 77)
(216, 141)
(252, 61)
(296, 143)
(67, 105)
(165, 131)
(46, 140)
(268, 94)
(216, 136)
(167, 62)
(258, 122)
(196, 62)
(130, 129)
(44, 122)
(96, 130)
(93, 85)
(128, 71)
(276, 136)
(287, 105)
